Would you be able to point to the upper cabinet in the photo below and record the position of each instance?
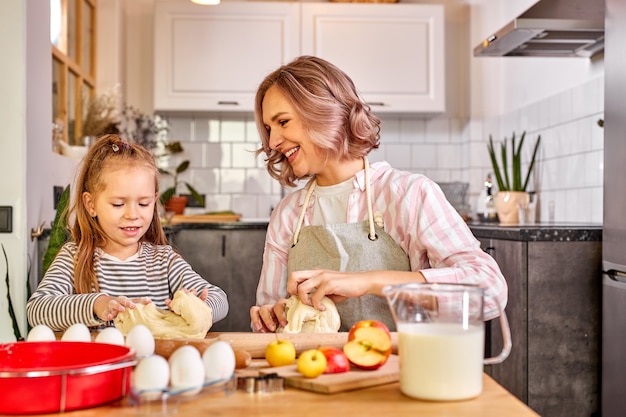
(394, 53)
(213, 58)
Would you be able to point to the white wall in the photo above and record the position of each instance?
(13, 153)
(560, 99)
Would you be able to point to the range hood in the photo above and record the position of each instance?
(550, 28)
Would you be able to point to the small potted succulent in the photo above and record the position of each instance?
(511, 188)
(170, 198)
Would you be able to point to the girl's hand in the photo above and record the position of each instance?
(203, 295)
(107, 308)
(268, 318)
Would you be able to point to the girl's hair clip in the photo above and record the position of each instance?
(116, 148)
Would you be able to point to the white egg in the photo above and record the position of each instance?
(77, 333)
(110, 335)
(152, 373)
(187, 372)
(219, 361)
(40, 333)
(184, 350)
(140, 339)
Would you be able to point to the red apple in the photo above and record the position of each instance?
(368, 323)
(369, 344)
(336, 360)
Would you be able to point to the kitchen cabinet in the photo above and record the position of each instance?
(554, 315)
(394, 53)
(230, 258)
(213, 58)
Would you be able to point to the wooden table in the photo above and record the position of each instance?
(380, 401)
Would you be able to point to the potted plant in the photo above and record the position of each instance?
(171, 200)
(511, 188)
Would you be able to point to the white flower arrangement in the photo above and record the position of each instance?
(107, 113)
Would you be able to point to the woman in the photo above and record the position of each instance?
(354, 228)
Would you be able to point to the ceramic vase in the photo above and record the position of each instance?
(176, 204)
(507, 205)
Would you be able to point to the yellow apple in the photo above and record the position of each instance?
(311, 363)
(280, 352)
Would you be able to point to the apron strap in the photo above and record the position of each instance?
(368, 196)
(303, 212)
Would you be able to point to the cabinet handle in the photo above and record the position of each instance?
(223, 246)
(228, 103)
(377, 103)
(490, 250)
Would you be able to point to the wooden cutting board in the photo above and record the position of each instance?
(334, 383)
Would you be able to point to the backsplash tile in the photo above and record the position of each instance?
(569, 173)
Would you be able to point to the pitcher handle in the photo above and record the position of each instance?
(506, 339)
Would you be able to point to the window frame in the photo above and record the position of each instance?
(84, 73)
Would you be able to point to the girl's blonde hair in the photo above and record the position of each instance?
(109, 150)
(333, 115)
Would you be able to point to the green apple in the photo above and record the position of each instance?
(280, 353)
(311, 363)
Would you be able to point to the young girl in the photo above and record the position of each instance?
(119, 254)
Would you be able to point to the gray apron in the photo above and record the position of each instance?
(349, 247)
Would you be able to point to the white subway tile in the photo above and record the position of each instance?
(245, 205)
(258, 181)
(423, 157)
(243, 155)
(399, 156)
(233, 181)
(448, 156)
(437, 131)
(201, 129)
(180, 129)
(232, 131)
(214, 130)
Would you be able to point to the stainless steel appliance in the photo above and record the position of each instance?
(614, 229)
(554, 28)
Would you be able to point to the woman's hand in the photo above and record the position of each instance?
(107, 308)
(312, 285)
(269, 317)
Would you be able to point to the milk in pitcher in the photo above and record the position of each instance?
(441, 361)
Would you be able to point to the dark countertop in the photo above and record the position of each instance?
(546, 232)
(541, 232)
(240, 225)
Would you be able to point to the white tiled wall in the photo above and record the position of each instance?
(569, 174)
(569, 166)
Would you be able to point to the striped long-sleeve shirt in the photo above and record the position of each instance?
(156, 272)
(416, 215)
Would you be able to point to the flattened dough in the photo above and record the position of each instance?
(188, 317)
(303, 318)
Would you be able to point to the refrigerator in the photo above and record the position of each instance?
(613, 345)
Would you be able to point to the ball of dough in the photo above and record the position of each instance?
(188, 317)
(303, 318)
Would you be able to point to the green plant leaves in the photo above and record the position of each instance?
(58, 234)
(501, 171)
(16, 328)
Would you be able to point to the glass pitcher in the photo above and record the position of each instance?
(441, 336)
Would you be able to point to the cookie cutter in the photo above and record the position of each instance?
(263, 384)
